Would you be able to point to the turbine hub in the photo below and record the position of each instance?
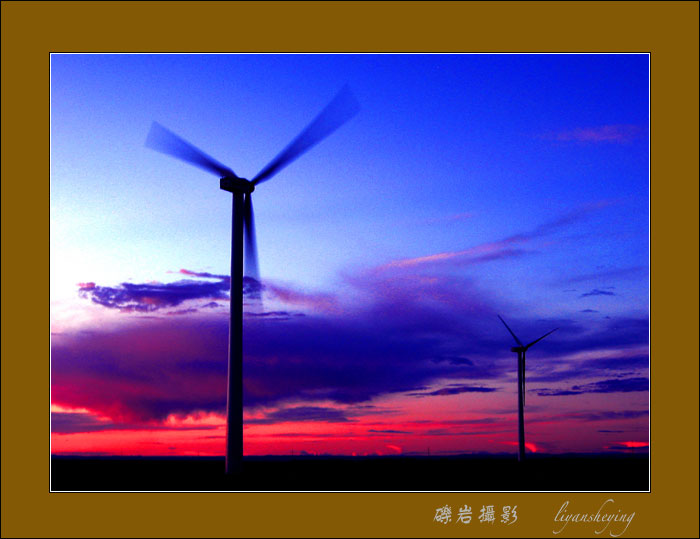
(234, 184)
(518, 349)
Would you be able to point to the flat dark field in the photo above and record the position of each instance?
(400, 473)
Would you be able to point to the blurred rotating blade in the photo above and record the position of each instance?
(165, 141)
(343, 107)
(251, 274)
(523, 379)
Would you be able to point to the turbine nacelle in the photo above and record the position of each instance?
(234, 184)
(518, 349)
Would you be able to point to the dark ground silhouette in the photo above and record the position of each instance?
(628, 472)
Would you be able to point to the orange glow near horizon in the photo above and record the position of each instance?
(396, 424)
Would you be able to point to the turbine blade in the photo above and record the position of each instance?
(510, 331)
(542, 337)
(343, 107)
(165, 141)
(250, 250)
(523, 379)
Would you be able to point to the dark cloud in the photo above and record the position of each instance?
(557, 371)
(73, 422)
(146, 369)
(273, 315)
(618, 447)
(597, 292)
(454, 389)
(301, 413)
(642, 448)
(408, 332)
(447, 432)
(389, 431)
(573, 337)
(615, 385)
(589, 311)
(149, 297)
(631, 446)
(592, 417)
(608, 415)
(555, 392)
(68, 423)
(454, 360)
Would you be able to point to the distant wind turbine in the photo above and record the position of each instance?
(520, 350)
(343, 107)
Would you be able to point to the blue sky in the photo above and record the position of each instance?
(525, 176)
(438, 136)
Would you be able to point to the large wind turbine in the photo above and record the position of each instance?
(520, 350)
(337, 112)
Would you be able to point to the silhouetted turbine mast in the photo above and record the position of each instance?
(337, 112)
(520, 350)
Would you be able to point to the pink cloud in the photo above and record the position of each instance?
(619, 133)
(505, 248)
(315, 301)
(473, 255)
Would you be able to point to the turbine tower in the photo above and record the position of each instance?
(520, 350)
(337, 112)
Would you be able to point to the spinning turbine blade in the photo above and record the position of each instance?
(523, 382)
(245, 277)
(250, 246)
(343, 107)
(165, 141)
(511, 331)
(251, 251)
(542, 337)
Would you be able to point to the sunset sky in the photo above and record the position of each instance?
(467, 186)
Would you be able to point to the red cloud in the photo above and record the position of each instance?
(528, 445)
(634, 444)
